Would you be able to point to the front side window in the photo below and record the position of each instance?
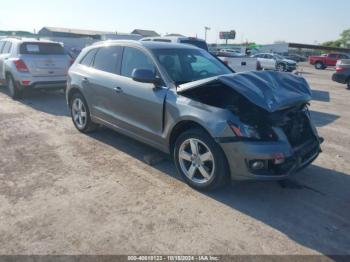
(135, 59)
(106, 59)
(187, 65)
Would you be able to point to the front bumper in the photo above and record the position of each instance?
(290, 67)
(240, 154)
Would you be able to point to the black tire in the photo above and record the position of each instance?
(220, 174)
(14, 90)
(348, 83)
(319, 65)
(281, 67)
(88, 125)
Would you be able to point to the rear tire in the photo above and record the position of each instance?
(200, 160)
(80, 114)
(348, 83)
(13, 88)
(319, 66)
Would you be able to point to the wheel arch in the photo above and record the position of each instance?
(73, 90)
(179, 128)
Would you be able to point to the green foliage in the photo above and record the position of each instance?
(343, 41)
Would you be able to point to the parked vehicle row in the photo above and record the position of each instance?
(342, 74)
(27, 64)
(216, 125)
(323, 61)
(275, 62)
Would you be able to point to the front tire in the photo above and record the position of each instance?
(281, 68)
(80, 114)
(13, 88)
(200, 160)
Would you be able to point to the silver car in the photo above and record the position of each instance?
(32, 64)
(183, 101)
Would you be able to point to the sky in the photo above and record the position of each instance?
(260, 21)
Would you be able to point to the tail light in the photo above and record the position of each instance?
(340, 69)
(21, 66)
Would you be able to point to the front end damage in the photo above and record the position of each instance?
(270, 134)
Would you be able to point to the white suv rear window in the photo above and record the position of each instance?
(41, 49)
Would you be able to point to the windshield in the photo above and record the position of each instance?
(187, 65)
(279, 57)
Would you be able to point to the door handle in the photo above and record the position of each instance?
(118, 90)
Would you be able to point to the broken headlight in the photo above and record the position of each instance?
(245, 131)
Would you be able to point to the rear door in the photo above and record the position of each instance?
(45, 59)
(332, 59)
(270, 62)
(101, 80)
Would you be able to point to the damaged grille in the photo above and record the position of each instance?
(298, 128)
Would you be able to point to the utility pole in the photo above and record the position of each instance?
(206, 28)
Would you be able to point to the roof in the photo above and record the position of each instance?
(27, 40)
(146, 44)
(145, 33)
(75, 31)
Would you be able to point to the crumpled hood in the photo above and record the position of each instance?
(269, 90)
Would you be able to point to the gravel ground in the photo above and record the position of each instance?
(62, 192)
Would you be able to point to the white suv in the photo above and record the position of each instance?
(31, 63)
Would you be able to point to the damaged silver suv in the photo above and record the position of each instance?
(181, 100)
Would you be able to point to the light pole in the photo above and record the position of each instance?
(206, 28)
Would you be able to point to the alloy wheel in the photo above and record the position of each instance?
(79, 113)
(280, 68)
(196, 161)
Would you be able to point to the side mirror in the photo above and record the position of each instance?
(145, 76)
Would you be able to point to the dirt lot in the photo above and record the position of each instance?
(62, 192)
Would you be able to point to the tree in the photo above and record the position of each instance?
(345, 38)
(336, 43)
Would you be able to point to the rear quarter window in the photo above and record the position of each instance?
(41, 49)
(88, 58)
(1, 46)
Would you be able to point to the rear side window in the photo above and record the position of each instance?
(88, 58)
(41, 49)
(333, 55)
(196, 43)
(134, 58)
(1, 46)
(107, 59)
(7, 48)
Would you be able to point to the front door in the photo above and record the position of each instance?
(139, 105)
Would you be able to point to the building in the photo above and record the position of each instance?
(145, 33)
(68, 32)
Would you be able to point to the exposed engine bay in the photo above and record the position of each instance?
(294, 120)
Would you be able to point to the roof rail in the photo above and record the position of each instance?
(14, 36)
